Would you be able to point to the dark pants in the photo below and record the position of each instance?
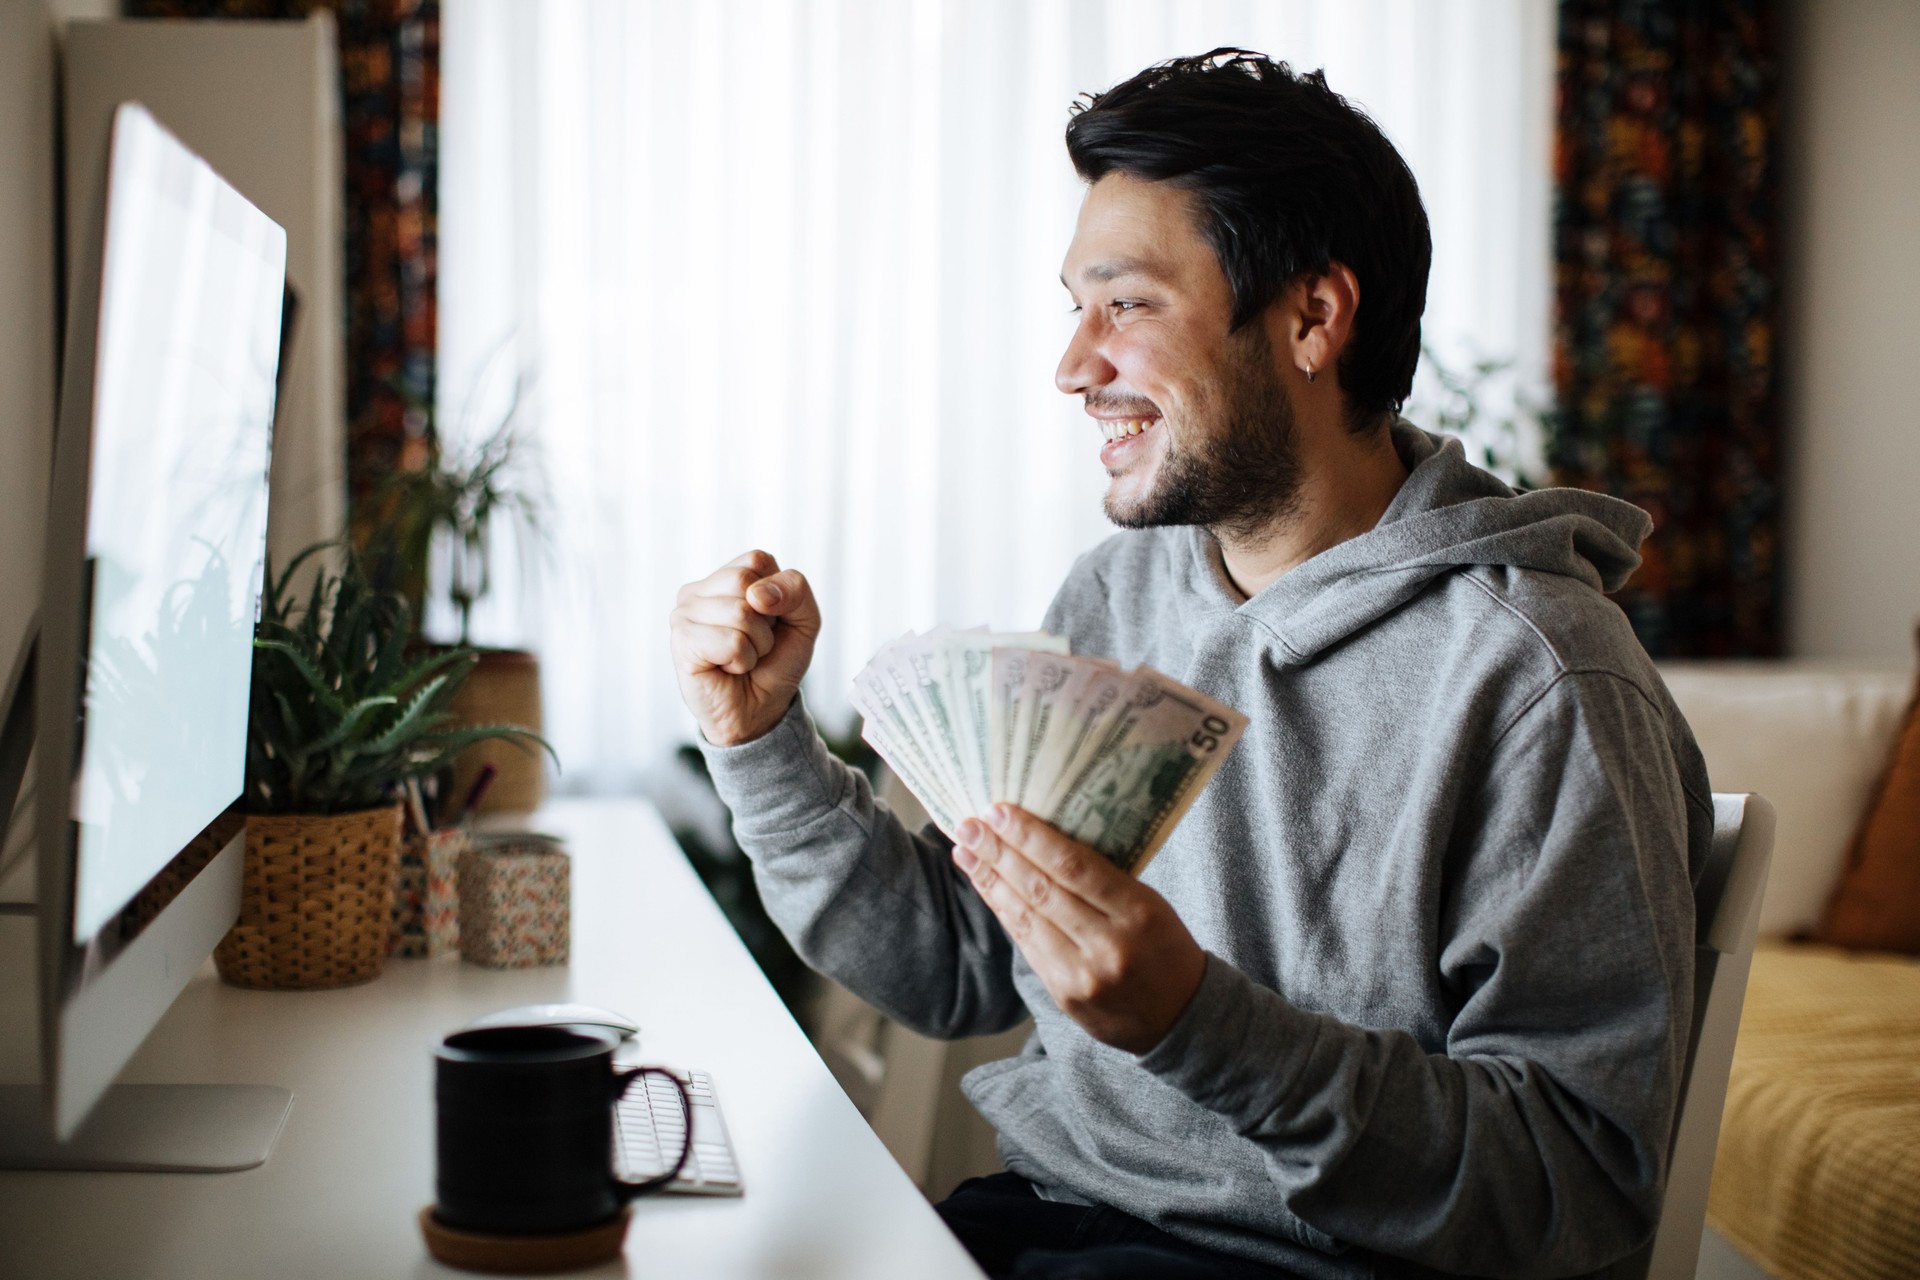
(1015, 1235)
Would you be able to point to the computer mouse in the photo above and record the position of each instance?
(558, 1015)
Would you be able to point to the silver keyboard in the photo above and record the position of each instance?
(648, 1134)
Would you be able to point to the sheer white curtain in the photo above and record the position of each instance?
(783, 273)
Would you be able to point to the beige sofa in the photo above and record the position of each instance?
(1818, 1171)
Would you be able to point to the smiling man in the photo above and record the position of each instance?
(1408, 990)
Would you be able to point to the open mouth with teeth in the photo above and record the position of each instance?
(1116, 429)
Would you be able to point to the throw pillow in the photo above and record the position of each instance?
(1876, 905)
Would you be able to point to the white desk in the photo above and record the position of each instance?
(337, 1197)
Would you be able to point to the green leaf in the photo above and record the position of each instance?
(430, 665)
(277, 590)
(460, 738)
(316, 608)
(410, 724)
(357, 713)
(392, 657)
(292, 758)
(316, 680)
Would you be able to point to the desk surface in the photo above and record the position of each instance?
(337, 1197)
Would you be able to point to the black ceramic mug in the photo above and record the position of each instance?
(525, 1141)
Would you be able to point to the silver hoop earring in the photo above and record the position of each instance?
(1309, 373)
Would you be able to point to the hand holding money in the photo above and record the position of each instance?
(1110, 758)
(742, 637)
(1111, 952)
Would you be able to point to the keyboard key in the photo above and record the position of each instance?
(652, 1128)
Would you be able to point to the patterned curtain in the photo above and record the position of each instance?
(1666, 261)
(390, 112)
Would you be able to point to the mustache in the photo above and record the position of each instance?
(1121, 407)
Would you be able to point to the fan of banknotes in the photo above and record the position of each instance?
(1111, 757)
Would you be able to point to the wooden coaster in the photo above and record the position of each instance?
(518, 1255)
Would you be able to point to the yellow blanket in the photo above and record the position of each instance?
(1818, 1174)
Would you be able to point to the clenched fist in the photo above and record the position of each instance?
(742, 638)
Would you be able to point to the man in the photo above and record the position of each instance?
(1408, 990)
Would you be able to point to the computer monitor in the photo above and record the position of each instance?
(134, 696)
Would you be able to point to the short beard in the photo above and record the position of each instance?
(1240, 478)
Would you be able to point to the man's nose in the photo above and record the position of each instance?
(1082, 368)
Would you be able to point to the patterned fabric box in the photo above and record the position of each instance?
(426, 902)
(514, 901)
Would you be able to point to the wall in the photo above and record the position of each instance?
(28, 362)
(257, 101)
(27, 356)
(1851, 326)
(29, 329)
(29, 324)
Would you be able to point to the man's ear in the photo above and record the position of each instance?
(1312, 321)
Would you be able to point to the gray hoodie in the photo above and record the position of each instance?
(1444, 881)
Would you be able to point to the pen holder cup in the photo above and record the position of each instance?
(426, 899)
(514, 901)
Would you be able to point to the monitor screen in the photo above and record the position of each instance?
(190, 304)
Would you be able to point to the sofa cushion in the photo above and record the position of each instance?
(1818, 1171)
(1813, 739)
(1876, 905)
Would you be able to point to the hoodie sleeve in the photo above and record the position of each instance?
(1535, 1143)
(881, 910)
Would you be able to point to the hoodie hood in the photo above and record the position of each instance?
(1448, 515)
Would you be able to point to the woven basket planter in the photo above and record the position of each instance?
(316, 900)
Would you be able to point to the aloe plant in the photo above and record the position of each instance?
(344, 709)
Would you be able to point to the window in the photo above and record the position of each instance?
(783, 274)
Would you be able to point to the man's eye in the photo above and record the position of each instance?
(1124, 304)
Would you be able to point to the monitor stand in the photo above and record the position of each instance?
(149, 1128)
(156, 1128)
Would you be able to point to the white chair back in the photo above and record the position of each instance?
(1727, 906)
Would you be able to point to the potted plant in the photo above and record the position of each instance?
(344, 712)
(450, 501)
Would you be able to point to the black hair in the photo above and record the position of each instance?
(1290, 177)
